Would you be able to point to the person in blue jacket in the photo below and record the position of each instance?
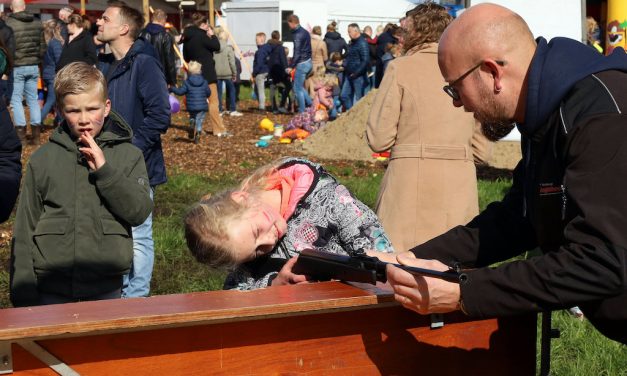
(301, 61)
(355, 67)
(138, 92)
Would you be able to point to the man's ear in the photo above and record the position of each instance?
(497, 71)
(240, 196)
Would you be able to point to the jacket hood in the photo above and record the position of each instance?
(23, 16)
(274, 42)
(193, 32)
(114, 131)
(551, 76)
(332, 35)
(196, 80)
(141, 46)
(153, 28)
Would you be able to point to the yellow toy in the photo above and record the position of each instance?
(266, 125)
(285, 140)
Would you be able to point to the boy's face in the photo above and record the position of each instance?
(85, 112)
(256, 233)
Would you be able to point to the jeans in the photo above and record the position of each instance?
(284, 88)
(137, 282)
(302, 96)
(25, 84)
(230, 93)
(50, 99)
(196, 119)
(352, 90)
(260, 88)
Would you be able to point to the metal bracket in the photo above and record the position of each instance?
(50, 360)
(6, 358)
(437, 320)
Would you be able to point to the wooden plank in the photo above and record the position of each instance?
(316, 329)
(388, 340)
(181, 309)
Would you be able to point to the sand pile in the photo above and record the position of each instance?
(344, 138)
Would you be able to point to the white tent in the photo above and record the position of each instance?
(245, 18)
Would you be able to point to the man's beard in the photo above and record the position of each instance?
(494, 123)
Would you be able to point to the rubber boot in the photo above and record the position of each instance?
(21, 134)
(36, 134)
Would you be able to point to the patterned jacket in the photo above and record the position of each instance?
(327, 218)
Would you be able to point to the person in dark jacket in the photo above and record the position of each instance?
(568, 195)
(372, 49)
(385, 38)
(157, 35)
(277, 62)
(355, 68)
(261, 68)
(83, 191)
(8, 43)
(301, 61)
(199, 44)
(334, 41)
(80, 43)
(139, 93)
(10, 163)
(196, 91)
(29, 50)
(55, 41)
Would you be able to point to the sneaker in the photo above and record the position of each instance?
(236, 113)
(224, 134)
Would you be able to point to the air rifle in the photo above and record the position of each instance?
(324, 266)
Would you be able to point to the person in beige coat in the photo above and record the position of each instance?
(430, 184)
(319, 54)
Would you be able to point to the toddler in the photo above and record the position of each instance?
(196, 91)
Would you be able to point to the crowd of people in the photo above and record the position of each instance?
(83, 225)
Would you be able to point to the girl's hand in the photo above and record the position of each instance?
(92, 152)
(286, 277)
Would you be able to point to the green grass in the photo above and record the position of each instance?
(581, 350)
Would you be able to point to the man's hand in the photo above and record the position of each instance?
(423, 294)
(91, 151)
(286, 277)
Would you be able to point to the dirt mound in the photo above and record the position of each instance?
(344, 138)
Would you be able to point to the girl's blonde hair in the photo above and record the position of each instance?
(194, 67)
(207, 221)
(52, 30)
(330, 80)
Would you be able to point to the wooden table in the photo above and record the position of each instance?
(326, 328)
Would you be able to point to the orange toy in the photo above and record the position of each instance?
(294, 134)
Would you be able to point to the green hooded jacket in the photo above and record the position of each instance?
(72, 233)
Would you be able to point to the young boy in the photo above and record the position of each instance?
(82, 192)
(197, 91)
(261, 68)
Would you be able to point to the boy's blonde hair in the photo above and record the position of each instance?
(207, 221)
(78, 78)
(194, 67)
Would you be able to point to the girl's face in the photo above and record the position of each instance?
(257, 232)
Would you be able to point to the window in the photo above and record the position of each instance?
(286, 32)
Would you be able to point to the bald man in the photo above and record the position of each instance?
(569, 192)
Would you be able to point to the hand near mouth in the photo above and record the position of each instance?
(91, 151)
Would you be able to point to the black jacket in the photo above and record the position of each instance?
(568, 198)
(8, 38)
(200, 47)
(163, 43)
(81, 48)
(302, 46)
(277, 61)
(10, 164)
(335, 43)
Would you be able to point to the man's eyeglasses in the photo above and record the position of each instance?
(450, 89)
